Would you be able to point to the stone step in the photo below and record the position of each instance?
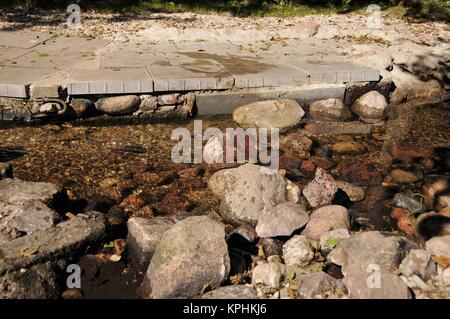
(225, 102)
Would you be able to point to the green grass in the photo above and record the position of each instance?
(429, 9)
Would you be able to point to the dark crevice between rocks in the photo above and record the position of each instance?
(240, 251)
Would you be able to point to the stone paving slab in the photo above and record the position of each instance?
(103, 67)
(15, 81)
(8, 53)
(110, 81)
(24, 39)
(114, 59)
(334, 71)
(265, 73)
(190, 78)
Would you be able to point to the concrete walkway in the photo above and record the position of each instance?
(33, 64)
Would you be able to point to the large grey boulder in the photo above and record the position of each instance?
(232, 292)
(118, 105)
(282, 114)
(325, 219)
(281, 220)
(321, 190)
(144, 236)
(65, 239)
(371, 107)
(248, 190)
(329, 110)
(372, 247)
(191, 254)
(374, 283)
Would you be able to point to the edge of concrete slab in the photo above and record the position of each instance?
(227, 102)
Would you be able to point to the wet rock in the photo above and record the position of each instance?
(82, 107)
(329, 110)
(319, 284)
(296, 142)
(6, 170)
(118, 105)
(67, 238)
(26, 218)
(281, 220)
(355, 193)
(168, 99)
(418, 262)
(268, 274)
(432, 224)
(439, 246)
(330, 239)
(322, 162)
(191, 254)
(338, 128)
(282, 114)
(248, 190)
(348, 147)
(325, 219)
(406, 153)
(431, 190)
(403, 177)
(362, 283)
(308, 166)
(144, 236)
(406, 224)
(297, 251)
(372, 247)
(320, 191)
(361, 174)
(38, 282)
(404, 201)
(370, 107)
(443, 202)
(232, 292)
